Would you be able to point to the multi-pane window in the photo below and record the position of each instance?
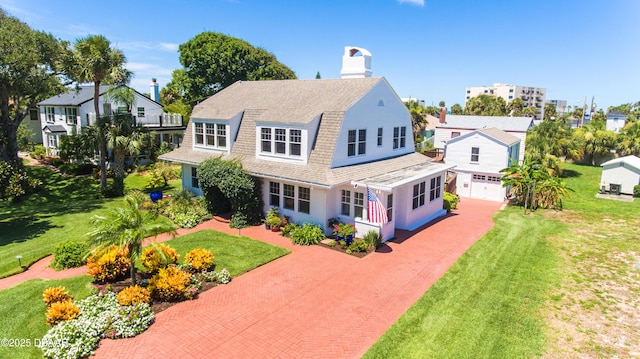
(295, 143)
(194, 178)
(221, 133)
(140, 111)
(106, 109)
(475, 154)
(345, 203)
(356, 142)
(289, 196)
(418, 195)
(199, 133)
(379, 136)
(399, 137)
(265, 135)
(304, 199)
(210, 130)
(358, 204)
(274, 194)
(50, 113)
(434, 190)
(71, 114)
(53, 141)
(281, 140)
(34, 115)
(121, 109)
(390, 207)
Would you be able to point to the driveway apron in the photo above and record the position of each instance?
(312, 303)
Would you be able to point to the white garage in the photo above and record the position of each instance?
(479, 156)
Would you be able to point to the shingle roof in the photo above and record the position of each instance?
(284, 101)
(631, 160)
(520, 124)
(54, 129)
(73, 97)
(291, 101)
(500, 136)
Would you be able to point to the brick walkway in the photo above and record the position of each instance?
(313, 303)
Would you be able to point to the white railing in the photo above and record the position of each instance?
(164, 120)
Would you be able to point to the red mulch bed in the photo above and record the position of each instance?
(156, 306)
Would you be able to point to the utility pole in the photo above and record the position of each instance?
(584, 109)
(591, 108)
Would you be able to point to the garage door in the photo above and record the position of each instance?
(487, 187)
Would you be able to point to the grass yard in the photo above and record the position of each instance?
(547, 284)
(22, 310)
(60, 212)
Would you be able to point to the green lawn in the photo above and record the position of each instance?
(61, 211)
(22, 310)
(523, 288)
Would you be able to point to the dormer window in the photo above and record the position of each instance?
(210, 135)
(285, 142)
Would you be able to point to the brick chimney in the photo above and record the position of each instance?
(443, 115)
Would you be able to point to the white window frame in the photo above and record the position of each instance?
(274, 193)
(358, 205)
(380, 132)
(399, 137)
(357, 142)
(345, 202)
(475, 154)
(71, 115)
(213, 135)
(390, 207)
(281, 142)
(304, 199)
(195, 183)
(289, 193)
(419, 195)
(140, 111)
(435, 188)
(50, 114)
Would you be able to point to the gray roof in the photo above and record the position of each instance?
(54, 129)
(510, 124)
(73, 97)
(631, 160)
(291, 101)
(616, 114)
(284, 101)
(500, 136)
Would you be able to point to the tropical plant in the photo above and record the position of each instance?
(109, 264)
(94, 60)
(344, 229)
(55, 294)
(158, 256)
(59, 311)
(133, 295)
(126, 227)
(307, 234)
(199, 259)
(172, 284)
(450, 201)
(373, 238)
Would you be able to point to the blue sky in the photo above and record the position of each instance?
(427, 49)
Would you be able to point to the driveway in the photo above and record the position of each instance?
(312, 303)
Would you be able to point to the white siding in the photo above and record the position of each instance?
(443, 135)
(492, 157)
(626, 176)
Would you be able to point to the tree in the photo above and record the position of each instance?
(456, 109)
(550, 112)
(441, 103)
(554, 138)
(595, 141)
(318, 75)
(629, 139)
(485, 105)
(94, 60)
(213, 61)
(516, 107)
(30, 72)
(126, 227)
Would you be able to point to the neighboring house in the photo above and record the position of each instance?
(32, 122)
(620, 175)
(478, 157)
(316, 145)
(74, 109)
(615, 121)
(459, 125)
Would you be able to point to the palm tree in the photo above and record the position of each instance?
(522, 178)
(127, 227)
(93, 60)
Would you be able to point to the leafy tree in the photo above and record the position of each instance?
(213, 61)
(532, 186)
(441, 103)
(318, 75)
(516, 107)
(485, 105)
(126, 227)
(577, 113)
(530, 112)
(554, 138)
(25, 136)
(595, 141)
(550, 111)
(94, 60)
(599, 116)
(456, 109)
(30, 72)
(122, 94)
(629, 139)
(78, 147)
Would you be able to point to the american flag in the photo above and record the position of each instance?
(376, 212)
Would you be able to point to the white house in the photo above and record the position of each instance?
(615, 121)
(75, 109)
(317, 145)
(620, 175)
(478, 157)
(458, 125)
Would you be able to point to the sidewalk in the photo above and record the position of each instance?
(313, 302)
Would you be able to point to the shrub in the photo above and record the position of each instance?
(133, 295)
(359, 245)
(223, 276)
(161, 174)
(450, 201)
(129, 321)
(109, 265)
(55, 294)
(39, 152)
(185, 210)
(69, 254)
(288, 229)
(332, 243)
(171, 284)
(158, 256)
(373, 238)
(307, 234)
(55, 161)
(77, 169)
(59, 311)
(636, 190)
(14, 181)
(199, 259)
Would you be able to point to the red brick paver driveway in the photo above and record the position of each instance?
(313, 303)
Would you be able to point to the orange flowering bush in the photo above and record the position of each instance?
(133, 295)
(172, 284)
(109, 265)
(153, 260)
(199, 259)
(55, 294)
(59, 311)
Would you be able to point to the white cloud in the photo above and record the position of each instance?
(143, 46)
(143, 70)
(166, 46)
(414, 2)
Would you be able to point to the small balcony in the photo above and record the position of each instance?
(162, 121)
